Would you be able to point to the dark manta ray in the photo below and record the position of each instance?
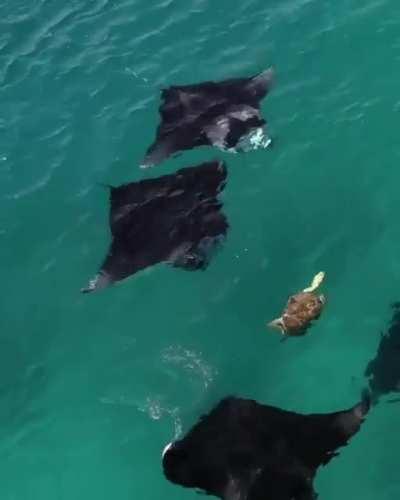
(175, 218)
(383, 371)
(210, 113)
(244, 450)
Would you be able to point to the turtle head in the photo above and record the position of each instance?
(277, 324)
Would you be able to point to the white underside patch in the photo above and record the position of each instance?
(166, 449)
(256, 139)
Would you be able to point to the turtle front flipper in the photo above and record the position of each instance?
(316, 282)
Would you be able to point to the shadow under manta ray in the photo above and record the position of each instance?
(243, 450)
(383, 371)
(174, 218)
(210, 113)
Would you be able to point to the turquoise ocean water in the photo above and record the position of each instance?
(92, 387)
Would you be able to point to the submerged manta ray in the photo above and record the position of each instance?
(244, 450)
(218, 114)
(383, 371)
(174, 218)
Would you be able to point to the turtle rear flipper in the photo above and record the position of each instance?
(316, 282)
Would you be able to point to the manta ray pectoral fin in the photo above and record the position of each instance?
(350, 421)
(159, 151)
(363, 407)
(262, 83)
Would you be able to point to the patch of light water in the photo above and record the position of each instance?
(190, 361)
(154, 408)
(130, 71)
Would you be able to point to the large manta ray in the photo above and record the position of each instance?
(174, 218)
(244, 450)
(210, 113)
(383, 371)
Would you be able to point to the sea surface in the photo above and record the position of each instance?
(93, 386)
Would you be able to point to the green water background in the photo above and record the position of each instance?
(93, 387)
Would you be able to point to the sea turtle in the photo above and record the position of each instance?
(301, 309)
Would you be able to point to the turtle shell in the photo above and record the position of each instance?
(301, 309)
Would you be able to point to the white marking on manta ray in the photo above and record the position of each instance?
(256, 139)
(218, 131)
(101, 280)
(244, 113)
(166, 448)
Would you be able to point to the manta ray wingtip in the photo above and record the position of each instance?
(262, 83)
(269, 72)
(145, 165)
(364, 405)
(88, 289)
(105, 186)
(267, 76)
(102, 280)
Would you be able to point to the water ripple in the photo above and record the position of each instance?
(191, 362)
